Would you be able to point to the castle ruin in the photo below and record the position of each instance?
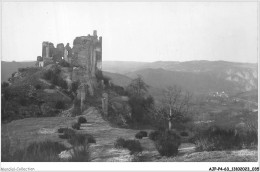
(84, 59)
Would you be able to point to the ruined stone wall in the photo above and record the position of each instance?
(85, 59)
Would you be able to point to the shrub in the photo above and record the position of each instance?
(141, 134)
(82, 120)
(60, 105)
(215, 138)
(74, 86)
(81, 139)
(67, 133)
(76, 126)
(133, 145)
(46, 151)
(120, 143)
(144, 133)
(184, 133)
(80, 155)
(168, 143)
(61, 130)
(54, 78)
(154, 135)
(63, 63)
(37, 86)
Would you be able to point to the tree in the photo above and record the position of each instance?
(176, 104)
(138, 87)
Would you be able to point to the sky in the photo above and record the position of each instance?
(135, 31)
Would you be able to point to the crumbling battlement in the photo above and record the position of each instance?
(86, 53)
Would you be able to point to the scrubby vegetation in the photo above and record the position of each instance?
(133, 146)
(76, 126)
(168, 143)
(60, 105)
(82, 120)
(215, 138)
(67, 133)
(81, 139)
(54, 78)
(154, 135)
(141, 134)
(46, 151)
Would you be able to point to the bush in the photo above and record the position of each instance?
(54, 78)
(61, 130)
(74, 86)
(80, 155)
(67, 133)
(154, 135)
(215, 138)
(60, 105)
(81, 139)
(184, 133)
(133, 145)
(141, 134)
(46, 151)
(76, 126)
(63, 63)
(37, 86)
(82, 120)
(168, 144)
(120, 143)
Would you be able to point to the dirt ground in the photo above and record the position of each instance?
(22, 132)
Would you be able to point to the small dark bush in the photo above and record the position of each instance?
(63, 63)
(82, 120)
(67, 134)
(76, 126)
(141, 134)
(81, 139)
(133, 145)
(74, 86)
(154, 135)
(60, 105)
(168, 144)
(37, 86)
(61, 130)
(144, 133)
(184, 133)
(120, 143)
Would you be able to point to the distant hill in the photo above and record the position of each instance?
(7, 68)
(196, 76)
(118, 79)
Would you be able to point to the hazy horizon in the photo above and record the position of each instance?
(135, 31)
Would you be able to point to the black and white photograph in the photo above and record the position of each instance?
(148, 82)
